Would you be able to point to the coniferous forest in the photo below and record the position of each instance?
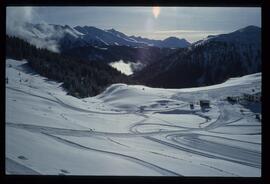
(80, 78)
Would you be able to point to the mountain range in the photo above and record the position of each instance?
(67, 37)
(167, 63)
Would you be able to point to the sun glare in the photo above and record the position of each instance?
(156, 11)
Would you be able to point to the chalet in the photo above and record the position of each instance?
(205, 104)
(254, 97)
(258, 117)
(233, 99)
(258, 97)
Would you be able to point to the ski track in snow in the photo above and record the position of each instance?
(177, 136)
(58, 101)
(201, 152)
(14, 167)
(82, 133)
(139, 161)
(238, 155)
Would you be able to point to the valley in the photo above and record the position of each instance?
(154, 90)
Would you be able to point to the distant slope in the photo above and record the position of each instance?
(145, 55)
(173, 42)
(209, 61)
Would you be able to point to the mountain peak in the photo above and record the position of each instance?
(175, 42)
(250, 28)
(171, 38)
(112, 30)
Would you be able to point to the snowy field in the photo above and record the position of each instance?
(129, 130)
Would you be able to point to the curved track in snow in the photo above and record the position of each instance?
(236, 154)
(82, 133)
(161, 170)
(14, 167)
(60, 102)
(190, 142)
(202, 153)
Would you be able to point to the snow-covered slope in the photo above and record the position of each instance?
(129, 130)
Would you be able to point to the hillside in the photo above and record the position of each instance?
(209, 61)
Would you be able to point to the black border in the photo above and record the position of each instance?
(140, 179)
(231, 3)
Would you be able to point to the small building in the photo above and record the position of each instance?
(255, 97)
(233, 99)
(205, 104)
(141, 109)
(258, 117)
(247, 97)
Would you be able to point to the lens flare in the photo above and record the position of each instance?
(156, 11)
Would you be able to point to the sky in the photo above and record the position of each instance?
(191, 23)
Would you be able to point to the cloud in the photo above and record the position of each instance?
(123, 67)
(17, 24)
(16, 19)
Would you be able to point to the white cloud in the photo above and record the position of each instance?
(16, 19)
(16, 25)
(123, 67)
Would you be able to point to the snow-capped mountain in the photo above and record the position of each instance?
(174, 42)
(209, 61)
(113, 37)
(170, 42)
(52, 37)
(104, 37)
(51, 30)
(58, 38)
